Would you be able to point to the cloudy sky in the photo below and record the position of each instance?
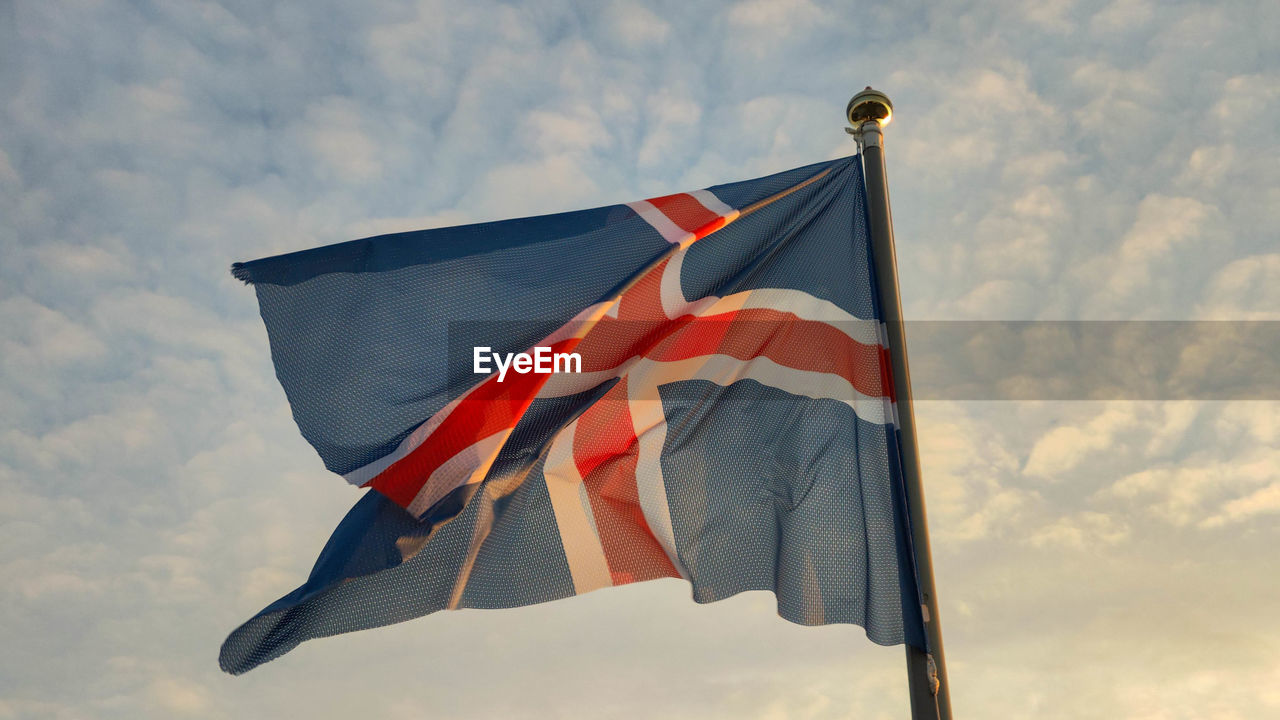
(1066, 160)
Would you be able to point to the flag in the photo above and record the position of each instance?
(730, 418)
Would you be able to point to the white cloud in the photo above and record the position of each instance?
(8, 175)
(38, 587)
(78, 445)
(672, 120)
(1082, 531)
(579, 129)
(1212, 693)
(994, 516)
(1248, 422)
(1036, 166)
(996, 298)
(178, 578)
(1247, 99)
(179, 696)
(385, 226)
(1064, 448)
(176, 322)
(1116, 96)
(1263, 501)
(36, 336)
(1169, 427)
(636, 25)
(1053, 15)
(551, 183)
(1162, 224)
(336, 134)
(1122, 15)
(775, 16)
(1244, 289)
(967, 473)
(86, 261)
(1208, 165)
(1184, 494)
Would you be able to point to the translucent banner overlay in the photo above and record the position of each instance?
(1094, 360)
(976, 360)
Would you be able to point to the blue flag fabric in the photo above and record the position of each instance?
(724, 412)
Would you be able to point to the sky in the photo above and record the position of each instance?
(1057, 160)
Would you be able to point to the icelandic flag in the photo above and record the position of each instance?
(732, 423)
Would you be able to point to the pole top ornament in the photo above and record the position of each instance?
(869, 106)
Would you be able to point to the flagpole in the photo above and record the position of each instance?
(868, 112)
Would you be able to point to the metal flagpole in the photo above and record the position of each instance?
(868, 112)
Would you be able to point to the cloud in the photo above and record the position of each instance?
(968, 473)
(336, 136)
(775, 16)
(1185, 494)
(1247, 424)
(86, 261)
(388, 225)
(1122, 15)
(8, 176)
(1209, 165)
(1064, 448)
(1082, 531)
(1053, 16)
(637, 26)
(39, 336)
(1263, 501)
(529, 188)
(39, 587)
(1162, 224)
(672, 118)
(1247, 99)
(580, 129)
(179, 696)
(1244, 289)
